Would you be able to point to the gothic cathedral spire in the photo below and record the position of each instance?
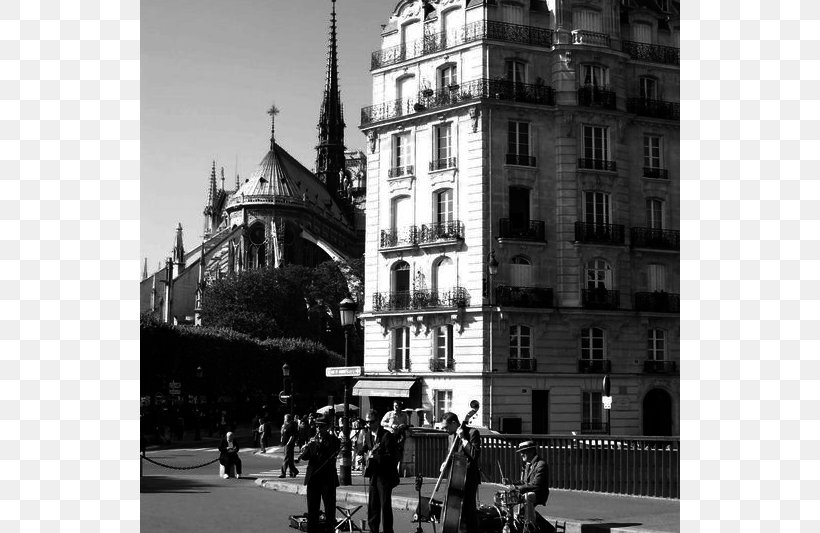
(330, 152)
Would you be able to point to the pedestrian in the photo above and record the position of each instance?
(321, 478)
(289, 434)
(255, 427)
(380, 465)
(264, 430)
(229, 456)
(304, 432)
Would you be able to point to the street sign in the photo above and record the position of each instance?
(339, 371)
(284, 397)
(607, 401)
(174, 388)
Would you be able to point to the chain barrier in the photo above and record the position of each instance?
(178, 467)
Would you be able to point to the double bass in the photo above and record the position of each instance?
(454, 500)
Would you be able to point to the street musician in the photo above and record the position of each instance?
(380, 460)
(534, 483)
(321, 477)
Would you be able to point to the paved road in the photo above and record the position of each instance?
(180, 501)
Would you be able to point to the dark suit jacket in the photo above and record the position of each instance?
(385, 456)
(321, 459)
(472, 451)
(228, 455)
(537, 481)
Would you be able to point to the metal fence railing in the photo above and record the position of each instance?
(641, 466)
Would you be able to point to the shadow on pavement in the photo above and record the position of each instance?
(160, 484)
(606, 527)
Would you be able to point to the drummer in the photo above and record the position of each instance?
(534, 484)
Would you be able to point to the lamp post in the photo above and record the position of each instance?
(287, 386)
(492, 270)
(347, 314)
(197, 435)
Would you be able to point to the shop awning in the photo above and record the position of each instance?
(383, 387)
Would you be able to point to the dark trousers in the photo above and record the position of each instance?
(232, 459)
(326, 493)
(380, 505)
(469, 513)
(289, 464)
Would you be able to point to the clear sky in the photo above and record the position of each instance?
(210, 71)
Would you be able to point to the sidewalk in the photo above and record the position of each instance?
(583, 512)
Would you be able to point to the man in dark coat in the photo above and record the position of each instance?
(534, 484)
(321, 478)
(289, 435)
(468, 442)
(229, 456)
(380, 463)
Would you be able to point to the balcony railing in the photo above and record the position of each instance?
(653, 108)
(391, 238)
(655, 173)
(594, 96)
(466, 92)
(591, 232)
(530, 297)
(600, 298)
(429, 44)
(396, 172)
(420, 299)
(657, 302)
(590, 37)
(651, 52)
(520, 159)
(442, 164)
(588, 163)
(531, 230)
(441, 365)
(659, 239)
(594, 428)
(660, 367)
(521, 364)
(594, 366)
(440, 231)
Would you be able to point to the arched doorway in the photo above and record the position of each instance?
(657, 413)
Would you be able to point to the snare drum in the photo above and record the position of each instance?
(508, 498)
(490, 519)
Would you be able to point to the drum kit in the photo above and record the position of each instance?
(501, 517)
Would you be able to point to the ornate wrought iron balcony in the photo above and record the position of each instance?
(406, 236)
(658, 239)
(587, 163)
(466, 92)
(521, 160)
(420, 299)
(521, 364)
(531, 230)
(396, 172)
(590, 37)
(476, 31)
(660, 367)
(652, 52)
(657, 302)
(443, 163)
(594, 96)
(440, 231)
(591, 232)
(594, 366)
(653, 108)
(530, 297)
(656, 173)
(441, 365)
(600, 298)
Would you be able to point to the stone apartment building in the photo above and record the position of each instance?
(522, 230)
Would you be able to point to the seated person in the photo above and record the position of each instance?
(229, 456)
(534, 484)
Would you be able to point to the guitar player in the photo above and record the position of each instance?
(380, 464)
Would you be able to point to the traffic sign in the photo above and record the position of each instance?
(338, 371)
(607, 401)
(284, 397)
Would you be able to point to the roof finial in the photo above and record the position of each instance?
(273, 111)
(222, 173)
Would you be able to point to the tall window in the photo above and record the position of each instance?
(595, 75)
(401, 349)
(593, 344)
(656, 345)
(450, 21)
(599, 274)
(444, 276)
(444, 345)
(401, 213)
(405, 88)
(520, 342)
(652, 151)
(443, 146)
(597, 208)
(516, 71)
(664, 5)
(649, 88)
(592, 416)
(444, 206)
(447, 76)
(596, 143)
(512, 14)
(642, 32)
(401, 153)
(586, 19)
(656, 274)
(654, 213)
(442, 403)
(518, 138)
(520, 272)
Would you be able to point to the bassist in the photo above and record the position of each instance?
(468, 442)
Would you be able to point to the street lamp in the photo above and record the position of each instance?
(287, 385)
(347, 315)
(197, 435)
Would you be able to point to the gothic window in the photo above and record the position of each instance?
(258, 246)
